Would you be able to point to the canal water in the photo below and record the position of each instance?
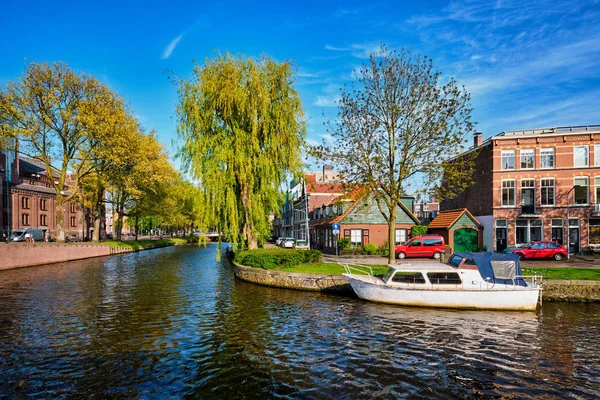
(173, 323)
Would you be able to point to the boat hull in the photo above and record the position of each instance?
(518, 298)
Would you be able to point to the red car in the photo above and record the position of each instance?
(422, 246)
(542, 250)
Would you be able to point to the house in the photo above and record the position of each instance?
(460, 229)
(540, 184)
(426, 211)
(315, 189)
(29, 200)
(360, 220)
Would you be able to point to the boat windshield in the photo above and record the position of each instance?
(388, 274)
(455, 260)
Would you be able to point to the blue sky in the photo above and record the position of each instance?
(526, 64)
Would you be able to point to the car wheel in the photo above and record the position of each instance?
(436, 256)
(401, 256)
(558, 257)
(521, 256)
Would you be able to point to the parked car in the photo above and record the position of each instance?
(542, 250)
(279, 240)
(422, 246)
(288, 243)
(301, 245)
(35, 234)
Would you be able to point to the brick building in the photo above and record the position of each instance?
(28, 199)
(541, 184)
(426, 211)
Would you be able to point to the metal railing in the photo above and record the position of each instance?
(363, 269)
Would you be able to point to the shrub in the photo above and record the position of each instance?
(344, 244)
(383, 249)
(276, 258)
(418, 230)
(370, 249)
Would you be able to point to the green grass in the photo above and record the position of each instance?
(136, 245)
(328, 268)
(584, 274)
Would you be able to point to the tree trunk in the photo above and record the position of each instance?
(60, 220)
(136, 226)
(392, 236)
(247, 230)
(119, 228)
(97, 214)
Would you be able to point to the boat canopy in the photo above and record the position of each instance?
(497, 267)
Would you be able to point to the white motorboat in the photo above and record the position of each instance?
(488, 281)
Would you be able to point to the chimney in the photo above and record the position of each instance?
(477, 139)
(327, 172)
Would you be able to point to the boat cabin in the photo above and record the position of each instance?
(471, 269)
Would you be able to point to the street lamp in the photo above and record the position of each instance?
(568, 224)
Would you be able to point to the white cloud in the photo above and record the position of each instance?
(312, 142)
(327, 137)
(326, 101)
(333, 48)
(475, 57)
(171, 46)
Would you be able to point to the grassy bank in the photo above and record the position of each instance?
(149, 244)
(583, 274)
(328, 268)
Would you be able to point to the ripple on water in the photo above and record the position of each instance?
(175, 322)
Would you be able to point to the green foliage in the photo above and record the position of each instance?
(276, 258)
(418, 230)
(344, 244)
(242, 128)
(383, 249)
(370, 249)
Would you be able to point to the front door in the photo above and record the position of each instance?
(573, 239)
(501, 234)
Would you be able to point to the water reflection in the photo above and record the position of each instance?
(175, 322)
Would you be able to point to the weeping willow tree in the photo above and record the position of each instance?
(242, 128)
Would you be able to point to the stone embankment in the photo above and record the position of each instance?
(294, 280)
(18, 255)
(554, 290)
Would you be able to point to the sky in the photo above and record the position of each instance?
(527, 64)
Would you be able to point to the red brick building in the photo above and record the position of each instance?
(28, 199)
(541, 184)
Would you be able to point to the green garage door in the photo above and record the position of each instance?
(465, 239)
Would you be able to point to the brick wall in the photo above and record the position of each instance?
(16, 255)
(477, 198)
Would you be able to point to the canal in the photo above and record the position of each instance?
(175, 323)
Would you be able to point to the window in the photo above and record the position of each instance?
(73, 222)
(597, 155)
(432, 242)
(43, 220)
(581, 191)
(553, 246)
(444, 278)
(501, 223)
(597, 184)
(527, 158)
(594, 231)
(415, 243)
(547, 187)
(73, 207)
(25, 203)
(408, 277)
(580, 156)
(25, 219)
(508, 193)
(557, 231)
(547, 158)
(401, 236)
(356, 237)
(538, 246)
(508, 159)
(529, 230)
(43, 204)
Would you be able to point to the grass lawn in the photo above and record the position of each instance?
(146, 243)
(584, 274)
(328, 268)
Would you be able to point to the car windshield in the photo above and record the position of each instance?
(409, 242)
(17, 233)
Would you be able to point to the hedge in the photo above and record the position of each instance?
(275, 258)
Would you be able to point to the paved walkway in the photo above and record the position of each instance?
(576, 262)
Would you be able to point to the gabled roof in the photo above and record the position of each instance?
(445, 219)
(357, 195)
